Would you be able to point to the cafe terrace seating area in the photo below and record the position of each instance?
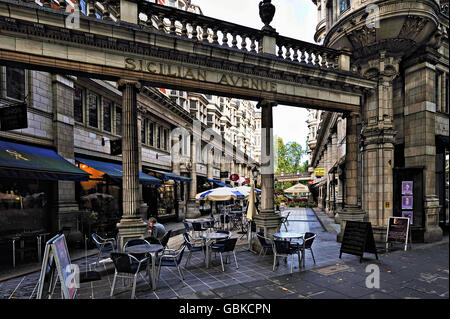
(189, 267)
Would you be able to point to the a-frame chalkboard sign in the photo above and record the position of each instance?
(358, 239)
(56, 266)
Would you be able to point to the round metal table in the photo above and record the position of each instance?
(153, 250)
(210, 237)
(288, 235)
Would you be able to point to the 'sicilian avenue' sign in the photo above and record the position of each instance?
(198, 75)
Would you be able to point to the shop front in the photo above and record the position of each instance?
(28, 195)
(100, 198)
(163, 201)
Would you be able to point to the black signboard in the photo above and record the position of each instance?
(13, 117)
(358, 239)
(398, 231)
(116, 147)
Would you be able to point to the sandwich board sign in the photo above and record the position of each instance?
(57, 262)
(398, 231)
(357, 239)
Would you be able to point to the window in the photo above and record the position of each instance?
(15, 83)
(151, 135)
(209, 118)
(107, 115)
(93, 109)
(144, 124)
(78, 104)
(118, 120)
(165, 139)
(158, 137)
(344, 5)
(193, 104)
(446, 92)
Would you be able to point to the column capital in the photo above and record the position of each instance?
(124, 82)
(266, 103)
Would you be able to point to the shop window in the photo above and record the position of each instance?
(93, 109)
(24, 205)
(15, 83)
(78, 104)
(118, 120)
(107, 115)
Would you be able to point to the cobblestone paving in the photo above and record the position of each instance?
(419, 273)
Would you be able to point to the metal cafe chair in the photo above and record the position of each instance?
(104, 245)
(308, 240)
(198, 228)
(171, 258)
(266, 243)
(227, 246)
(193, 245)
(283, 248)
(126, 267)
(137, 242)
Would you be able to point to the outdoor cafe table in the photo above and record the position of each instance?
(153, 250)
(199, 220)
(288, 235)
(210, 237)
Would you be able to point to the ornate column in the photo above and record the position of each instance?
(267, 221)
(420, 147)
(351, 209)
(333, 162)
(131, 225)
(223, 167)
(193, 210)
(176, 169)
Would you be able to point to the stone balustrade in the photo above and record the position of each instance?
(307, 53)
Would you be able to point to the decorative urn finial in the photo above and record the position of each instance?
(266, 12)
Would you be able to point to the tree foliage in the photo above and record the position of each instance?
(288, 157)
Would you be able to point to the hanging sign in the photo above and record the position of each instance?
(116, 147)
(13, 117)
(319, 172)
(234, 177)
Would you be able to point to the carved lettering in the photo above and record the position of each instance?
(200, 75)
(129, 64)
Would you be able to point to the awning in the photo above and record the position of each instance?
(219, 183)
(169, 176)
(114, 171)
(23, 161)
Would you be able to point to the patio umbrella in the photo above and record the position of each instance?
(220, 194)
(246, 190)
(251, 213)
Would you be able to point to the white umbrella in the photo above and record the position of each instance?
(245, 190)
(220, 194)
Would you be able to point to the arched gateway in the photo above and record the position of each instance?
(160, 46)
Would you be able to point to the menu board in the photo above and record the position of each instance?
(63, 265)
(57, 259)
(397, 231)
(357, 239)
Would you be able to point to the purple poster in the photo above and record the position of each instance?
(407, 188)
(407, 202)
(410, 215)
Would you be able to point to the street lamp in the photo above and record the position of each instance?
(255, 174)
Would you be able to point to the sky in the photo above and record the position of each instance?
(293, 18)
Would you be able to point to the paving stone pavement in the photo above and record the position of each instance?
(420, 273)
